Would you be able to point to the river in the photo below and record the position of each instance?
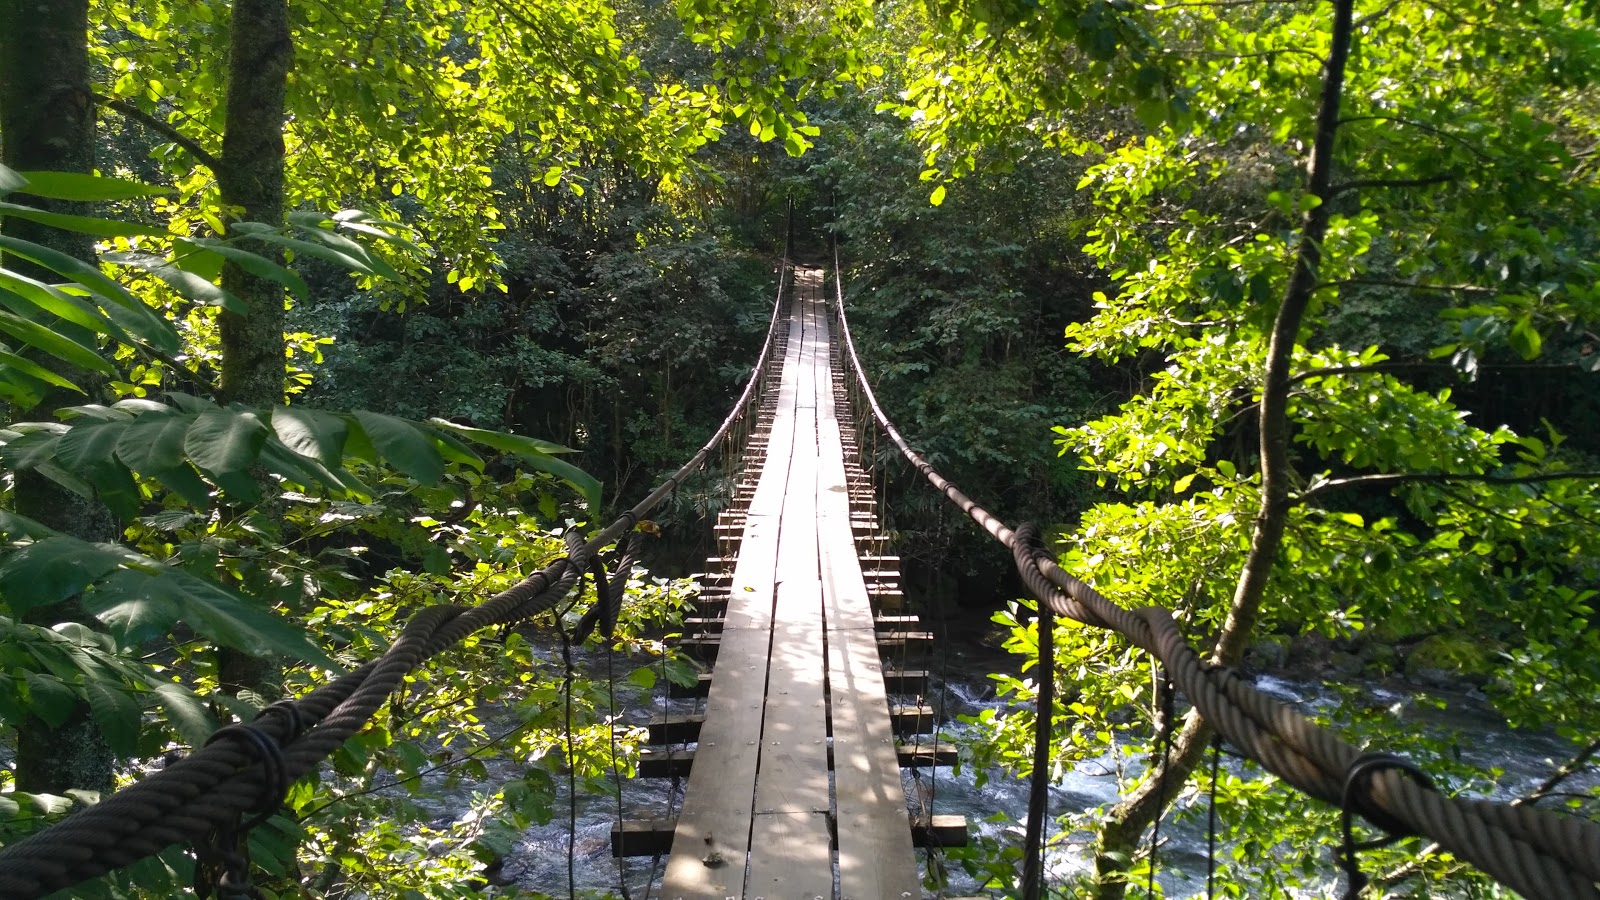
(539, 862)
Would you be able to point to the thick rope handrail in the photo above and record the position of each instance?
(207, 790)
(1535, 852)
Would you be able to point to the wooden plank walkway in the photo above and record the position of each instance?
(797, 661)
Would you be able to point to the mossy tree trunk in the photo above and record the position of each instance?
(251, 181)
(47, 122)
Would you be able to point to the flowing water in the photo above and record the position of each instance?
(540, 861)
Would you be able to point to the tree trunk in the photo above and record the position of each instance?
(47, 123)
(1120, 834)
(250, 178)
(251, 183)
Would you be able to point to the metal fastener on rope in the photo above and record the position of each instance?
(1361, 770)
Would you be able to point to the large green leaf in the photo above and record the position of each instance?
(534, 453)
(137, 606)
(90, 445)
(49, 698)
(187, 714)
(54, 343)
(359, 222)
(78, 186)
(224, 441)
(349, 261)
(254, 263)
(33, 370)
(29, 298)
(10, 181)
(311, 432)
(502, 440)
(117, 715)
(377, 264)
(52, 569)
(302, 470)
(187, 285)
(80, 224)
(155, 441)
(186, 484)
(127, 310)
(403, 444)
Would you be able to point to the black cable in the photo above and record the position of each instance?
(1211, 821)
(1038, 788)
(1165, 687)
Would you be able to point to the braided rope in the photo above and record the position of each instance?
(1535, 852)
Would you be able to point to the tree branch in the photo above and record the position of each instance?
(1395, 478)
(1381, 368)
(201, 154)
(1363, 183)
(1412, 285)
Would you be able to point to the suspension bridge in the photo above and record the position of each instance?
(794, 765)
(802, 786)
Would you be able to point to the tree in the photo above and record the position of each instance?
(47, 120)
(1460, 189)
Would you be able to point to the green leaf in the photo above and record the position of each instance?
(117, 715)
(536, 454)
(52, 569)
(55, 344)
(33, 370)
(183, 481)
(187, 714)
(10, 181)
(224, 441)
(501, 440)
(644, 677)
(359, 222)
(377, 264)
(90, 445)
(49, 698)
(254, 263)
(127, 310)
(155, 441)
(81, 224)
(403, 444)
(29, 298)
(937, 197)
(78, 186)
(1525, 338)
(187, 285)
(137, 606)
(311, 432)
(316, 250)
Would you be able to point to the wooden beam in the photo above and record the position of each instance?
(665, 762)
(649, 837)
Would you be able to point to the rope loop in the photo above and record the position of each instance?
(226, 853)
(275, 787)
(1355, 798)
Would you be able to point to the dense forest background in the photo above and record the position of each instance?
(1276, 313)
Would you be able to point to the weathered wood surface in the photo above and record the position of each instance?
(798, 648)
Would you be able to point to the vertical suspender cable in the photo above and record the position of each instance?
(1039, 785)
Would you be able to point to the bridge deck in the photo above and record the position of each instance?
(798, 662)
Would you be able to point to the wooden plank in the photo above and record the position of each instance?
(876, 859)
(715, 818)
(798, 862)
(794, 750)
